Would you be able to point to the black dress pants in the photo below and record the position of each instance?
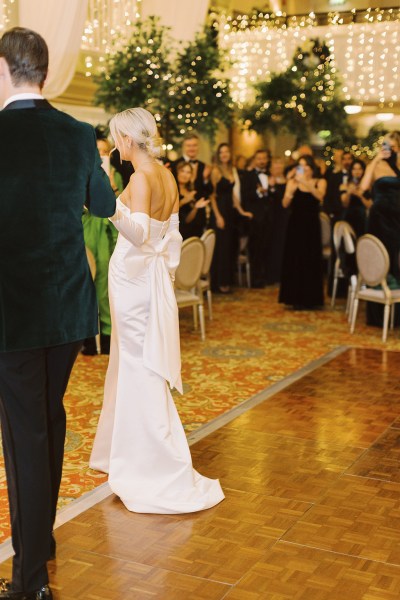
(33, 423)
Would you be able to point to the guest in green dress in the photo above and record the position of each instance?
(100, 237)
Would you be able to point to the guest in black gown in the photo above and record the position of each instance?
(302, 271)
(383, 176)
(225, 201)
(355, 201)
(277, 223)
(192, 210)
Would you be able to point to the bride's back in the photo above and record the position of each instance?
(164, 197)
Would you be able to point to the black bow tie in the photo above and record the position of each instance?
(260, 171)
(193, 162)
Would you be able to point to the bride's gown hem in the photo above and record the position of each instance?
(140, 441)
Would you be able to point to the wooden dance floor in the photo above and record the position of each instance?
(312, 507)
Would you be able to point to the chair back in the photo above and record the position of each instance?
(208, 238)
(191, 264)
(372, 260)
(325, 229)
(344, 231)
(92, 262)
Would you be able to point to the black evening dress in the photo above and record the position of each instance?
(222, 265)
(277, 234)
(356, 215)
(195, 227)
(384, 223)
(302, 269)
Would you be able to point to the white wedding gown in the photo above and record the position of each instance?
(140, 441)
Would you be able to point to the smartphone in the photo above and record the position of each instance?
(300, 170)
(386, 147)
(345, 179)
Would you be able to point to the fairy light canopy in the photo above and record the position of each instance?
(366, 53)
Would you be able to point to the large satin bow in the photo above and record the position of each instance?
(161, 351)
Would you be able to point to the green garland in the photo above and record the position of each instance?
(185, 93)
(303, 100)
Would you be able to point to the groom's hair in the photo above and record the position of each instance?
(27, 56)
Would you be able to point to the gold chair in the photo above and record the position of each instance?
(208, 238)
(92, 266)
(373, 266)
(187, 278)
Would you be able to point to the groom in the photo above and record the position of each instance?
(49, 168)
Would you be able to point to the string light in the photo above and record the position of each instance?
(366, 53)
(108, 25)
(7, 13)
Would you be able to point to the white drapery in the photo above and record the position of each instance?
(61, 25)
(184, 17)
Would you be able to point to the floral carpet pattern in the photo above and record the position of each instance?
(252, 343)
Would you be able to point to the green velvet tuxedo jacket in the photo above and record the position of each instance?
(49, 168)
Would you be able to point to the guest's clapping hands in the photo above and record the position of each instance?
(202, 203)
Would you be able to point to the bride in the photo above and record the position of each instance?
(140, 441)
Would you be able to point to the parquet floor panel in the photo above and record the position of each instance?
(274, 465)
(382, 459)
(293, 572)
(357, 516)
(242, 528)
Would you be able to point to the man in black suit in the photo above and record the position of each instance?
(201, 171)
(255, 200)
(47, 297)
(332, 202)
(334, 208)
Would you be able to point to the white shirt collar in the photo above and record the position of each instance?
(25, 96)
(187, 159)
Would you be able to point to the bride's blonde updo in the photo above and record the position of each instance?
(140, 125)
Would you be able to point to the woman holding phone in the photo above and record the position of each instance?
(382, 176)
(302, 271)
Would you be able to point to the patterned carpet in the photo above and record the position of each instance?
(252, 343)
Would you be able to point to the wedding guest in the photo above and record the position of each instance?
(276, 234)
(333, 207)
(47, 297)
(200, 171)
(382, 175)
(332, 203)
(302, 270)
(241, 163)
(225, 201)
(192, 210)
(100, 237)
(355, 201)
(256, 201)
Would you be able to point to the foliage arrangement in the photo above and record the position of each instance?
(302, 100)
(184, 89)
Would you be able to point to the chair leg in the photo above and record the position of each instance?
(392, 309)
(248, 274)
(385, 322)
(195, 319)
(334, 290)
(239, 274)
(354, 314)
(209, 301)
(202, 322)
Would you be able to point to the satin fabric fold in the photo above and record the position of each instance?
(160, 257)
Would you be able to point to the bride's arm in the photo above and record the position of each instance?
(136, 227)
